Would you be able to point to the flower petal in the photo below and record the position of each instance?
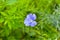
(34, 16)
(27, 21)
(31, 16)
(32, 24)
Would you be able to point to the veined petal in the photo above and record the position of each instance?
(31, 16)
(34, 23)
(34, 16)
(27, 21)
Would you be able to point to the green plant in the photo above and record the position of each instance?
(14, 12)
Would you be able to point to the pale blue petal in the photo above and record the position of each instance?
(31, 16)
(27, 21)
(34, 16)
(34, 23)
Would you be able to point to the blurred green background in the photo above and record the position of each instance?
(13, 13)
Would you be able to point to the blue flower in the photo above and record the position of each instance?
(30, 20)
(32, 16)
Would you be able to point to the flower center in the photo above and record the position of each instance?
(31, 20)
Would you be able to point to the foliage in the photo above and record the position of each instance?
(14, 12)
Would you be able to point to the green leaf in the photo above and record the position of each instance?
(58, 1)
(1, 20)
(10, 2)
(11, 38)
